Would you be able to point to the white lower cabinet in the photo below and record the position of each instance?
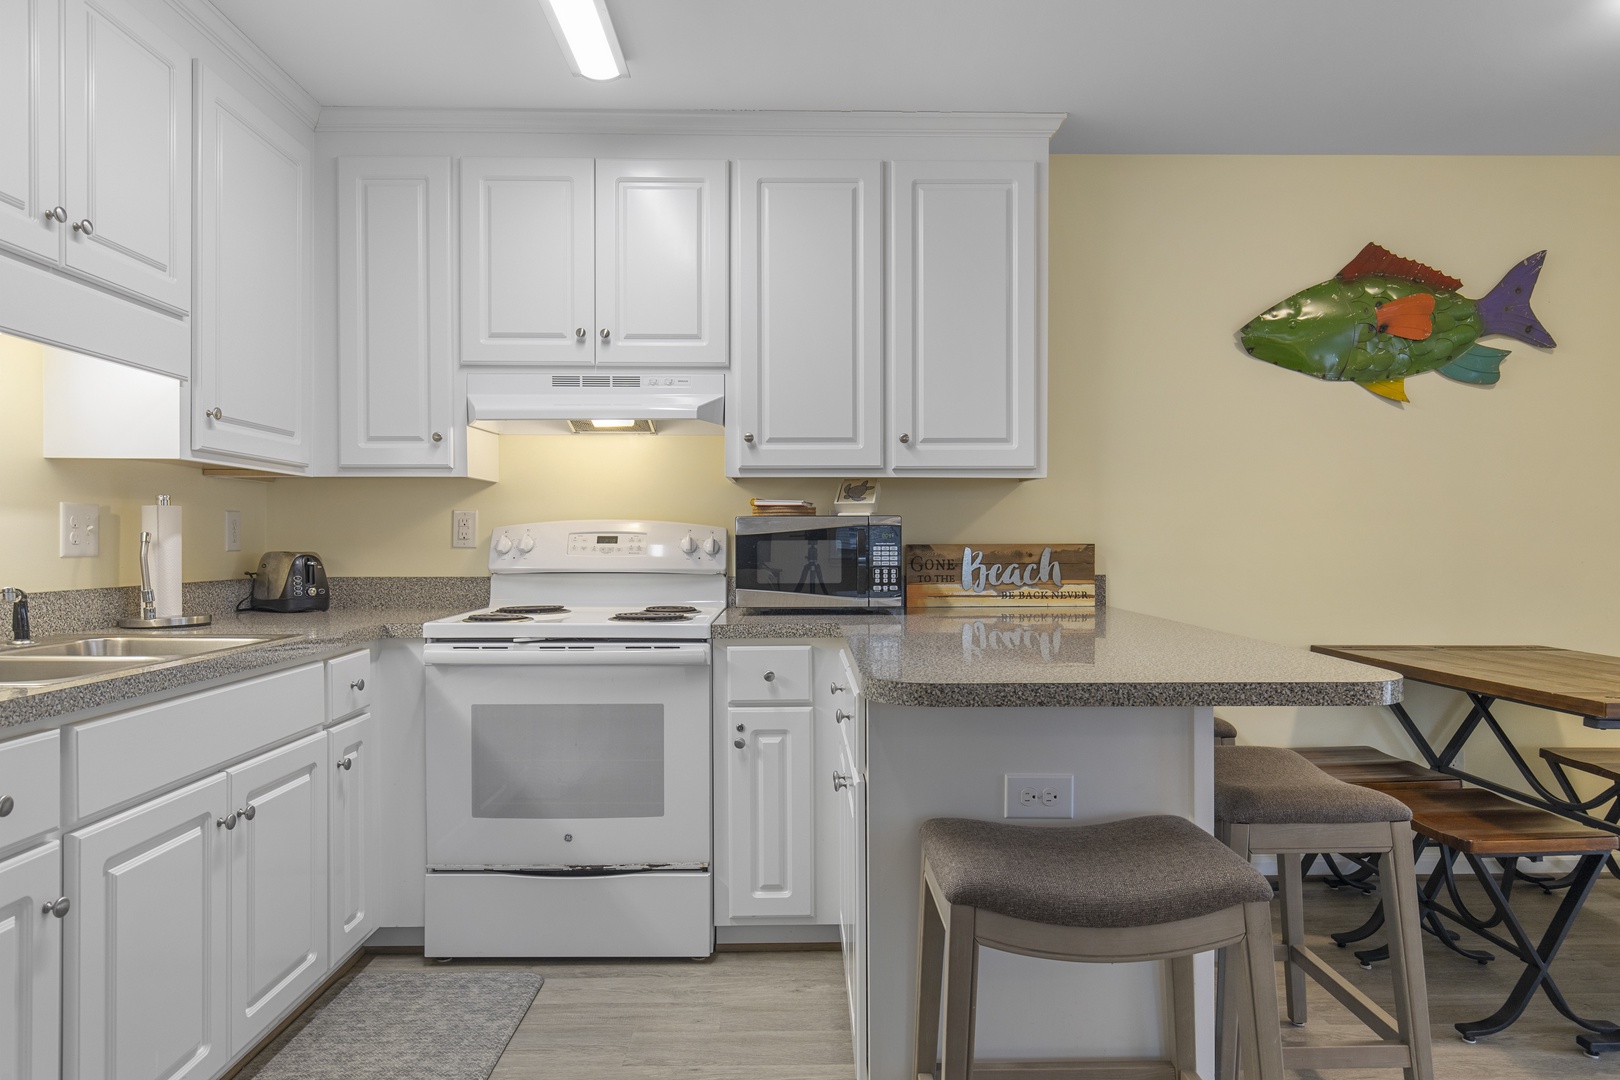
(146, 952)
(852, 897)
(31, 964)
(277, 916)
(351, 754)
(772, 856)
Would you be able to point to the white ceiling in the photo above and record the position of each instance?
(1135, 76)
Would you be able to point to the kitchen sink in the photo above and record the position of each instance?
(144, 645)
(92, 655)
(20, 670)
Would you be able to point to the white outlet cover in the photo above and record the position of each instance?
(79, 535)
(464, 528)
(1038, 795)
(233, 530)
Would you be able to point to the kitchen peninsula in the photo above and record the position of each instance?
(1116, 708)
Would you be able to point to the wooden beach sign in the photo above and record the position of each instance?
(1005, 576)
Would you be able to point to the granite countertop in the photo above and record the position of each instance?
(304, 637)
(1071, 658)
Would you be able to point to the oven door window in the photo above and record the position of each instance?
(811, 562)
(567, 761)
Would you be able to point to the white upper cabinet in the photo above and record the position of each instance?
(128, 153)
(809, 381)
(528, 234)
(661, 259)
(30, 127)
(394, 340)
(963, 367)
(251, 385)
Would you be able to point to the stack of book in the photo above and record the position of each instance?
(783, 508)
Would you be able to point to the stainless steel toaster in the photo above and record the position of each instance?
(289, 581)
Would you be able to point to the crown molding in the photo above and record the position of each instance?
(658, 122)
(209, 21)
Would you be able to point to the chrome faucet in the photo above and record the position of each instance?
(19, 615)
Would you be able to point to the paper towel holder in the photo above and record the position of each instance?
(150, 620)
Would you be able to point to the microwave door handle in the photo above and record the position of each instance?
(863, 565)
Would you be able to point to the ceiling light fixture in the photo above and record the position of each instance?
(585, 31)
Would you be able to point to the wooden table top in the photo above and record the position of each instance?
(1586, 684)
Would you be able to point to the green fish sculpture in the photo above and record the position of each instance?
(1383, 319)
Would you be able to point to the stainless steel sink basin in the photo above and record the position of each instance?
(138, 645)
(17, 669)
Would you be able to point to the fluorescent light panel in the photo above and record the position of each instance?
(585, 31)
(612, 427)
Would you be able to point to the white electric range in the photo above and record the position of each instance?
(568, 746)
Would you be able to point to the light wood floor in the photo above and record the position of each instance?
(743, 1016)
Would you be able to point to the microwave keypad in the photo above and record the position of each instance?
(885, 568)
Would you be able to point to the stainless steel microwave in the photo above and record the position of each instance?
(818, 562)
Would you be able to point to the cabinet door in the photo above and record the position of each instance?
(251, 362)
(128, 153)
(30, 126)
(528, 261)
(772, 812)
(31, 965)
(351, 753)
(278, 884)
(963, 365)
(852, 898)
(661, 259)
(810, 362)
(145, 959)
(394, 345)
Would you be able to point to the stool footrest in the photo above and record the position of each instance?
(1347, 1056)
(1074, 1069)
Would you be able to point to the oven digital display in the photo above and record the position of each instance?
(607, 539)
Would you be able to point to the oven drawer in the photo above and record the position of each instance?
(768, 674)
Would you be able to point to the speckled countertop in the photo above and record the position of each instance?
(1071, 658)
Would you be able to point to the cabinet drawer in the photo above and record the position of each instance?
(116, 760)
(348, 684)
(30, 787)
(768, 673)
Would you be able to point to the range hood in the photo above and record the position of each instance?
(557, 404)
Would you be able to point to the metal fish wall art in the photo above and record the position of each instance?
(1383, 319)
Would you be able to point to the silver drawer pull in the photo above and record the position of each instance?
(579, 332)
(346, 762)
(840, 781)
(770, 676)
(228, 821)
(839, 716)
(838, 689)
(58, 907)
(248, 812)
(739, 743)
(358, 684)
(7, 805)
(58, 215)
(85, 227)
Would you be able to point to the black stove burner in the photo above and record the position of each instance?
(671, 609)
(651, 616)
(494, 616)
(531, 609)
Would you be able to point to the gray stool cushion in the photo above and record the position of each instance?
(1268, 785)
(1224, 729)
(1138, 872)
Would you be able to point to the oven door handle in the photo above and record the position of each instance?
(522, 654)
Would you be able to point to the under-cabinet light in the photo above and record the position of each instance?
(612, 427)
(585, 31)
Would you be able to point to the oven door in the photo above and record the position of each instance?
(567, 757)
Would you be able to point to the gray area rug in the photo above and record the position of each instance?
(431, 1025)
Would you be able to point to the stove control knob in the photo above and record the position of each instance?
(689, 545)
(711, 546)
(503, 545)
(526, 544)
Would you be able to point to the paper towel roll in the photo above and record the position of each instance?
(163, 522)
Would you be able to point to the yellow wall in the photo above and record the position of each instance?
(31, 487)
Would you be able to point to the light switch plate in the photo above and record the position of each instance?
(80, 532)
(464, 528)
(1039, 795)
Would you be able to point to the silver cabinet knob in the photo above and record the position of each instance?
(248, 812)
(905, 438)
(228, 821)
(58, 907)
(840, 781)
(839, 716)
(437, 437)
(605, 333)
(346, 762)
(748, 436)
(358, 684)
(84, 227)
(739, 743)
(58, 215)
(580, 333)
(838, 689)
(770, 676)
(215, 414)
(7, 805)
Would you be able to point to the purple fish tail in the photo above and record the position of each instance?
(1506, 308)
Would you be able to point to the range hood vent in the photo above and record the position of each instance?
(509, 404)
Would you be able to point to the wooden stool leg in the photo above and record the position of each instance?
(1399, 892)
(1290, 874)
(961, 983)
(930, 973)
(1260, 1037)
(1228, 1007)
(1183, 1017)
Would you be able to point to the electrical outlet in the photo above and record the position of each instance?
(233, 530)
(1039, 795)
(464, 528)
(80, 531)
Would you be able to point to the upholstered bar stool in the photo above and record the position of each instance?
(1225, 732)
(1061, 894)
(1271, 801)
